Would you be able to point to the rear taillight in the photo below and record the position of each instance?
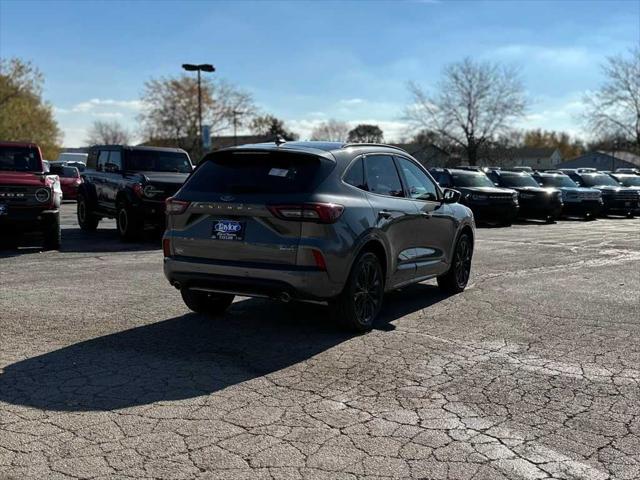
(166, 247)
(308, 212)
(318, 258)
(175, 207)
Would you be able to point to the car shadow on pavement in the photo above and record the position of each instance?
(186, 356)
(105, 240)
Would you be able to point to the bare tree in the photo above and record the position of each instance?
(331, 131)
(614, 110)
(474, 103)
(108, 133)
(170, 113)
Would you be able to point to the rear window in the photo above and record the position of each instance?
(255, 173)
(20, 159)
(62, 171)
(158, 161)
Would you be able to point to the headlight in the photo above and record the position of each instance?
(515, 195)
(43, 195)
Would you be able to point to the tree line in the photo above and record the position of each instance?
(471, 111)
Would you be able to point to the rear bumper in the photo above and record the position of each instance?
(302, 283)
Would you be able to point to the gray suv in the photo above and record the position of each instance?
(314, 221)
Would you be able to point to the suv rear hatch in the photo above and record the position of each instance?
(245, 207)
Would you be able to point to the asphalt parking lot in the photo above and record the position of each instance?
(533, 372)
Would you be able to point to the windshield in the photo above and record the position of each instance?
(20, 159)
(598, 179)
(471, 179)
(79, 165)
(65, 172)
(557, 181)
(518, 181)
(158, 161)
(630, 181)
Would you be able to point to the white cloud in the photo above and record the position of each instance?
(350, 102)
(97, 104)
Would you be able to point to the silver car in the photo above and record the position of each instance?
(314, 221)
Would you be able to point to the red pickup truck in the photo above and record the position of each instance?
(29, 197)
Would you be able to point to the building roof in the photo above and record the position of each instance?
(624, 156)
(531, 152)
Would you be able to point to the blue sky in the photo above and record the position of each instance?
(309, 61)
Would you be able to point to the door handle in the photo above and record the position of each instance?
(384, 214)
(425, 214)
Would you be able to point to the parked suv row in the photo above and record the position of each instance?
(130, 184)
(336, 222)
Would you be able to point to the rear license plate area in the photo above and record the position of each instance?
(228, 230)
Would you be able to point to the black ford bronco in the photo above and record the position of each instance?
(130, 184)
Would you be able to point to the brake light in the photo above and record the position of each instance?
(318, 257)
(166, 247)
(308, 212)
(175, 207)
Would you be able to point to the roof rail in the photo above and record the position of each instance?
(347, 145)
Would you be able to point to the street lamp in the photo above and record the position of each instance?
(203, 67)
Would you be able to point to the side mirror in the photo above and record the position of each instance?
(451, 196)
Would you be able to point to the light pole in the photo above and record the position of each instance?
(203, 67)
(235, 125)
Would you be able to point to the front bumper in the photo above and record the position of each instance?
(620, 206)
(582, 208)
(252, 280)
(503, 213)
(24, 220)
(537, 209)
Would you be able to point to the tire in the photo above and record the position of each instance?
(52, 233)
(212, 304)
(128, 223)
(360, 302)
(457, 277)
(86, 219)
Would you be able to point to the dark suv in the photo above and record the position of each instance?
(29, 197)
(536, 202)
(489, 203)
(319, 221)
(130, 184)
(577, 201)
(618, 200)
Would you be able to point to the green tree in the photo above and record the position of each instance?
(270, 126)
(365, 133)
(569, 147)
(24, 115)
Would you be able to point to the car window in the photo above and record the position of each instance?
(19, 159)
(256, 173)
(382, 176)
(419, 185)
(103, 159)
(115, 162)
(355, 175)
